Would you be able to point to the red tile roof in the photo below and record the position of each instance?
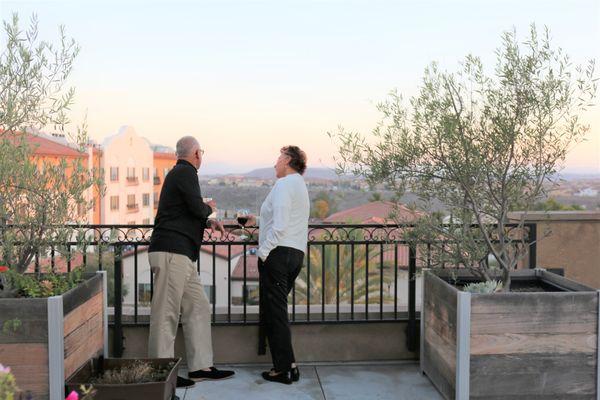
(251, 268)
(61, 263)
(46, 147)
(377, 212)
(221, 250)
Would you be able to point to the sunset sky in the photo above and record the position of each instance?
(246, 77)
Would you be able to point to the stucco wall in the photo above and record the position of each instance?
(569, 240)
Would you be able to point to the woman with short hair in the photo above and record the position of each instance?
(282, 245)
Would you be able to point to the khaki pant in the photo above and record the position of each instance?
(177, 290)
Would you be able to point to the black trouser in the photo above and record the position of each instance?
(277, 276)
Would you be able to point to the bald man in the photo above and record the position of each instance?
(174, 248)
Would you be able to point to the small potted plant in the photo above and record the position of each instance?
(119, 378)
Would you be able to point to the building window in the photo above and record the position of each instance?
(146, 221)
(114, 173)
(251, 294)
(131, 200)
(130, 172)
(155, 172)
(156, 198)
(144, 293)
(146, 174)
(146, 199)
(114, 202)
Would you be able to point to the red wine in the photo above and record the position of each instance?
(242, 220)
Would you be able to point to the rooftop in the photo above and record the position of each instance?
(251, 268)
(376, 212)
(46, 147)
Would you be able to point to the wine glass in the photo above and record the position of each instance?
(242, 218)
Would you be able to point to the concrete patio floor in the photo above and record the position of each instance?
(398, 381)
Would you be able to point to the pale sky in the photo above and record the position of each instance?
(247, 77)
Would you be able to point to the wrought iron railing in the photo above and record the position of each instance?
(352, 273)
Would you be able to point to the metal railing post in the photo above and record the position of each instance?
(411, 329)
(118, 303)
(532, 234)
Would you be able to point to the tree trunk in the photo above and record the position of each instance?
(505, 280)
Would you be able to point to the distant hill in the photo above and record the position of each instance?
(311, 173)
(571, 176)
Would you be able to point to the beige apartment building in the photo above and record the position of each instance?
(127, 162)
(133, 172)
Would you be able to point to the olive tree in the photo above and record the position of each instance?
(483, 143)
(37, 198)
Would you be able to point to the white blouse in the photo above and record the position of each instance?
(284, 216)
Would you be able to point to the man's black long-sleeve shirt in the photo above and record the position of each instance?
(182, 215)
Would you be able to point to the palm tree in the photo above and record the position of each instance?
(323, 259)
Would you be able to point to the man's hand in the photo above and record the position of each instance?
(212, 204)
(217, 226)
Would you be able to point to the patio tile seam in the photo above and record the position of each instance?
(320, 383)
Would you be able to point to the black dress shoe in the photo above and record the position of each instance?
(295, 374)
(184, 383)
(282, 377)
(212, 375)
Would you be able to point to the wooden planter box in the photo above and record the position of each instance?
(57, 335)
(163, 390)
(510, 345)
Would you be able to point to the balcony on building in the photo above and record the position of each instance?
(157, 180)
(132, 181)
(133, 207)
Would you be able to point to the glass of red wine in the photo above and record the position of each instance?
(242, 218)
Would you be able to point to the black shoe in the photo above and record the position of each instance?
(294, 373)
(184, 383)
(283, 377)
(213, 375)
